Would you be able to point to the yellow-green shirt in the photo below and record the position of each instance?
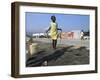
(53, 30)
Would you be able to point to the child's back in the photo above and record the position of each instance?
(53, 30)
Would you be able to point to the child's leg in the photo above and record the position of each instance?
(55, 43)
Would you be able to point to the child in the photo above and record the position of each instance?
(53, 31)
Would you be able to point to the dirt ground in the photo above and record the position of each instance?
(63, 55)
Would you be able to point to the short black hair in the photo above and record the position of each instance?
(53, 18)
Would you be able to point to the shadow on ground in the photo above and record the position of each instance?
(61, 56)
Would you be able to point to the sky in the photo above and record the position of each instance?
(39, 22)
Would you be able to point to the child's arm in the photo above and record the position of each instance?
(48, 30)
(59, 29)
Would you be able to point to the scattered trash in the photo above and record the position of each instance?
(45, 63)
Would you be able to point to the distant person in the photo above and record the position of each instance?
(82, 35)
(53, 31)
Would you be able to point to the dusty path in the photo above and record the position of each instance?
(63, 55)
